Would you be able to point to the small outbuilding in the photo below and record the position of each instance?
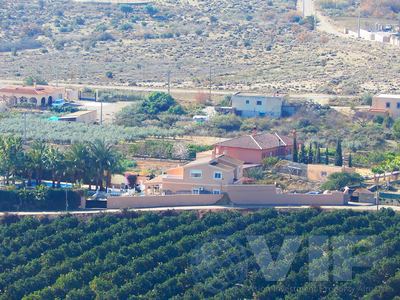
(364, 196)
(82, 116)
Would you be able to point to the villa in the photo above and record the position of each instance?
(253, 148)
(386, 105)
(208, 175)
(40, 95)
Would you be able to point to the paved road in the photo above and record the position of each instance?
(211, 207)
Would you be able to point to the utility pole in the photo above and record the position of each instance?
(101, 107)
(25, 127)
(169, 82)
(359, 21)
(304, 8)
(66, 199)
(210, 83)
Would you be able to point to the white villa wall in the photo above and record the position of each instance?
(270, 106)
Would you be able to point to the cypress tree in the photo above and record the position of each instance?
(303, 157)
(350, 161)
(318, 154)
(295, 150)
(310, 154)
(326, 156)
(339, 154)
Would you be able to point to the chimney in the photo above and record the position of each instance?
(34, 85)
(254, 131)
(213, 154)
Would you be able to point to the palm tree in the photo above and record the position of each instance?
(107, 161)
(55, 164)
(77, 157)
(37, 154)
(11, 157)
(27, 168)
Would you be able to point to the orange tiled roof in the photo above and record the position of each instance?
(30, 90)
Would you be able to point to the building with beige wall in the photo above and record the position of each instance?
(252, 105)
(207, 175)
(386, 104)
(41, 95)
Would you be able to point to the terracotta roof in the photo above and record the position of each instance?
(221, 161)
(259, 141)
(30, 90)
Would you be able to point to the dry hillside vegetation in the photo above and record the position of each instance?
(369, 8)
(255, 44)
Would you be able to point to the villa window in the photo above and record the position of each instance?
(217, 175)
(216, 192)
(398, 104)
(196, 173)
(387, 104)
(259, 102)
(247, 101)
(196, 191)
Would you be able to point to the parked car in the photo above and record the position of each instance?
(58, 103)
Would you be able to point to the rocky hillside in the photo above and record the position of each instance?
(255, 44)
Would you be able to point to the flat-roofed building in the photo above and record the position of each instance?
(386, 104)
(253, 105)
(82, 116)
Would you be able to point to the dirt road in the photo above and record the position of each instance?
(307, 7)
(188, 94)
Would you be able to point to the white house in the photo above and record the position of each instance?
(253, 105)
(38, 95)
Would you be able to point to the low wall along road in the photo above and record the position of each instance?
(238, 195)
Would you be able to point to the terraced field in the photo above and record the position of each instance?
(192, 256)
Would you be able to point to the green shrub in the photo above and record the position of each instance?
(158, 102)
(41, 198)
(226, 122)
(338, 181)
(31, 80)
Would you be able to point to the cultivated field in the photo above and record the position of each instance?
(213, 255)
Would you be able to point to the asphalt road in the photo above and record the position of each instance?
(199, 208)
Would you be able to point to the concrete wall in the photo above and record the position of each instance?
(270, 106)
(268, 195)
(162, 201)
(238, 194)
(208, 175)
(89, 117)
